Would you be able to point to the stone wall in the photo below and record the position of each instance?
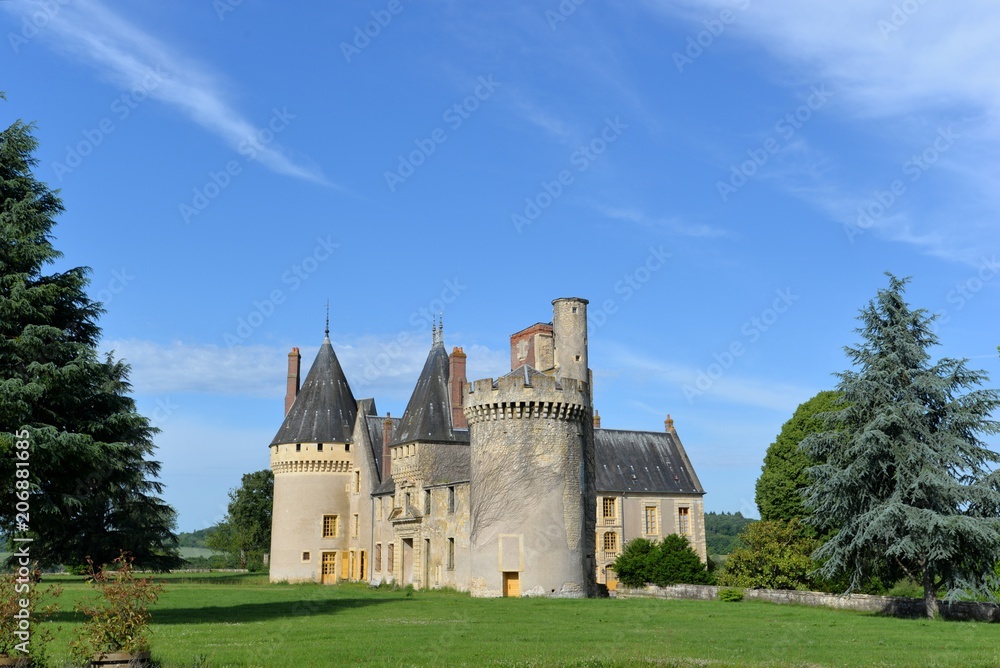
(886, 605)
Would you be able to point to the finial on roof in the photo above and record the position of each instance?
(669, 423)
(327, 330)
(438, 332)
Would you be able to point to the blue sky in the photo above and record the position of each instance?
(726, 182)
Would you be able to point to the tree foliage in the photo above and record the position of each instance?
(784, 474)
(245, 532)
(93, 488)
(667, 562)
(722, 531)
(906, 479)
(777, 556)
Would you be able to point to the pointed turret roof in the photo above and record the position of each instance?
(325, 408)
(428, 415)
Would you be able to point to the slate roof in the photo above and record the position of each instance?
(428, 415)
(325, 409)
(375, 424)
(643, 461)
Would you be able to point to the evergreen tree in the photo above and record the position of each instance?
(667, 562)
(93, 490)
(245, 533)
(784, 474)
(906, 478)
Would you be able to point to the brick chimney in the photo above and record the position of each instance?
(597, 420)
(386, 454)
(456, 388)
(668, 424)
(292, 388)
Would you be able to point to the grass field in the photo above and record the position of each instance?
(220, 620)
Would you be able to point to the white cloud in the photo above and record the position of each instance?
(127, 55)
(379, 366)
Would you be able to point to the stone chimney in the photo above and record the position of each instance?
(456, 388)
(597, 420)
(668, 424)
(386, 454)
(292, 387)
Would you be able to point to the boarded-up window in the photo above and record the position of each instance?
(378, 557)
(392, 556)
(451, 554)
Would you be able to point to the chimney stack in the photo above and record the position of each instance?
(456, 388)
(292, 387)
(597, 420)
(668, 424)
(386, 454)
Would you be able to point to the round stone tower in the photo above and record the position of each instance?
(532, 472)
(313, 463)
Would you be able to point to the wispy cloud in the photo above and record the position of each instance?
(126, 55)
(900, 71)
(729, 388)
(672, 225)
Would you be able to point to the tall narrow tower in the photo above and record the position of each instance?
(312, 462)
(532, 481)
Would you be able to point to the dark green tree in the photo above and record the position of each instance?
(776, 556)
(92, 487)
(784, 476)
(667, 562)
(907, 480)
(245, 533)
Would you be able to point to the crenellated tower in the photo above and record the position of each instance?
(532, 471)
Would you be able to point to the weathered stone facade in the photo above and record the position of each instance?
(497, 487)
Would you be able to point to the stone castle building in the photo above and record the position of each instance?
(499, 487)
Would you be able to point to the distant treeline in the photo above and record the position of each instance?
(722, 531)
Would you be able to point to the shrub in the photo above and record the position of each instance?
(731, 595)
(119, 620)
(777, 556)
(671, 561)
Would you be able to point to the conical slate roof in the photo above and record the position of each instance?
(325, 408)
(428, 415)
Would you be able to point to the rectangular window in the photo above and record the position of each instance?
(378, 557)
(357, 482)
(355, 526)
(451, 554)
(319, 447)
(406, 505)
(451, 499)
(610, 541)
(298, 447)
(427, 502)
(651, 523)
(609, 507)
(684, 521)
(306, 557)
(329, 526)
(392, 556)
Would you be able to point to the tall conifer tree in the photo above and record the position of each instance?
(93, 487)
(907, 479)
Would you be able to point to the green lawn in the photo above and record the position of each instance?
(220, 620)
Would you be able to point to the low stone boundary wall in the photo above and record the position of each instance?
(886, 605)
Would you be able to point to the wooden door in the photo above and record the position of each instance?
(511, 583)
(329, 568)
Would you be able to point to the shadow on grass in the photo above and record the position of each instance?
(256, 612)
(242, 612)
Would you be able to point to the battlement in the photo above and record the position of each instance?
(527, 393)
